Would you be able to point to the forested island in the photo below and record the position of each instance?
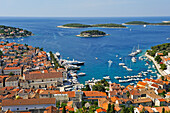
(12, 32)
(77, 25)
(146, 23)
(92, 33)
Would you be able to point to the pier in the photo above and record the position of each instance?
(156, 64)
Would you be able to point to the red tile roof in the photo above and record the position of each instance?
(43, 75)
(11, 102)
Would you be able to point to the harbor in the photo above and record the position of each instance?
(98, 51)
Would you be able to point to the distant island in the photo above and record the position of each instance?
(146, 23)
(77, 25)
(12, 32)
(92, 33)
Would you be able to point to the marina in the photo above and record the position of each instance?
(98, 51)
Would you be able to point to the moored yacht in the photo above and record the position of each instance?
(117, 77)
(107, 77)
(81, 74)
(121, 64)
(133, 59)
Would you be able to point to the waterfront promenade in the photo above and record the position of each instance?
(156, 64)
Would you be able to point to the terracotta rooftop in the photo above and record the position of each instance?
(94, 93)
(43, 75)
(11, 102)
(12, 68)
(142, 100)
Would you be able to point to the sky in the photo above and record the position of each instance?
(84, 8)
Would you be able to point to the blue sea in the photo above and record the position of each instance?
(120, 42)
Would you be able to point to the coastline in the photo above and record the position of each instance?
(156, 64)
(89, 27)
(15, 36)
(71, 27)
(146, 24)
(93, 35)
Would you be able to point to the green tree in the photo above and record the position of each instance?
(163, 66)
(165, 53)
(58, 104)
(127, 94)
(109, 108)
(96, 103)
(113, 108)
(158, 59)
(11, 74)
(64, 109)
(41, 49)
(162, 77)
(163, 110)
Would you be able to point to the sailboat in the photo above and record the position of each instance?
(121, 64)
(110, 62)
(133, 59)
(129, 69)
(133, 53)
(138, 50)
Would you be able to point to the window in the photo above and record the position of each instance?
(17, 108)
(26, 108)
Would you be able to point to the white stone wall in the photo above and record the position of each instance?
(11, 83)
(16, 72)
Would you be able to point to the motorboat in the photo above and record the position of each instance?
(117, 77)
(107, 77)
(57, 54)
(121, 64)
(138, 50)
(117, 56)
(133, 59)
(81, 74)
(129, 69)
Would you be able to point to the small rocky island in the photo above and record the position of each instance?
(146, 23)
(92, 33)
(12, 32)
(77, 25)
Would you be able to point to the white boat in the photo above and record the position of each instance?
(167, 38)
(131, 84)
(107, 77)
(81, 74)
(121, 64)
(117, 56)
(129, 69)
(72, 67)
(120, 58)
(138, 50)
(146, 64)
(110, 62)
(144, 25)
(125, 67)
(133, 53)
(149, 67)
(73, 62)
(133, 59)
(96, 58)
(57, 54)
(140, 58)
(117, 77)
